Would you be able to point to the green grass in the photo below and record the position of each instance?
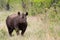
(38, 28)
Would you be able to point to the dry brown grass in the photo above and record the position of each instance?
(38, 28)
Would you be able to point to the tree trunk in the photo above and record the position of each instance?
(7, 5)
(23, 5)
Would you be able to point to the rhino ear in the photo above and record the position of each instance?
(26, 13)
(18, 13)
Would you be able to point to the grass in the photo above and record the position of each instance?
(38, 28)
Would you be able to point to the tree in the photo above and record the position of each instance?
(23, 5)
(7, 5)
